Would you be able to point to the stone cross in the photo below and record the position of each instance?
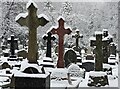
(98, 52)
(49, 37)
(32, 21)
(77, 36)
(12, 42)
(61, 31)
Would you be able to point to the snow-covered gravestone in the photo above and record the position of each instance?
(98, 51)
(98, 79)
(13, 43)
(32, 21)
(49, 37)
(75, 71)
(77, 36)
(70, 57)
(61, 31)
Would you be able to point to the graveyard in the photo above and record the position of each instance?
(53, 62)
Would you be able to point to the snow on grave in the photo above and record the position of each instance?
(107, 68)
(6, 53)
(76, 71)
(32, 76)
(4, 81)
(60, 79)
(98, 79)
(47, 62)
(112, 60)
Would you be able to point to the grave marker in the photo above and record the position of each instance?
(49, 37)
(32, 21)
(70, 57)
(98, 51)
(12, 43)
(113, 49)
(61, 31)
(77, 36)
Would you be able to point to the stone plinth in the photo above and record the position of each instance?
(32, 81)
(98, 79)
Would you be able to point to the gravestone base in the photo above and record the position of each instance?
(98, 79)
(37, 81)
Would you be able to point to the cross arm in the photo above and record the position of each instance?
(53, 38)
(67, 31)
(22, 19)
(45, 37)
(42, 21)
(92, 43)
(54, 31)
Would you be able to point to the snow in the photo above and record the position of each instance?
(93, 61)
(105, 30)
(59, 73)
(44, 16)
(92, 38)
(47, 58)
(77, 30)
(24, 15)
(60, 17)
(25, 65)
(97, 73)
(21, 74)
(106, 66)
(31, 2)
(98, 33)
(107, 38)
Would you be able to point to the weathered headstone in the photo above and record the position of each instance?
(22, 53)
(49, 37)
(32, 21)
(77, 36)
(88, 66)
(113, 48)
(98, 51)
(61, 31)
(70, 57)
(13, 43)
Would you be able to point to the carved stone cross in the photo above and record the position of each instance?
(98, 52)
(13, 43)
(49, 37)
(61, 31)
(77, 37)
(32, 21)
